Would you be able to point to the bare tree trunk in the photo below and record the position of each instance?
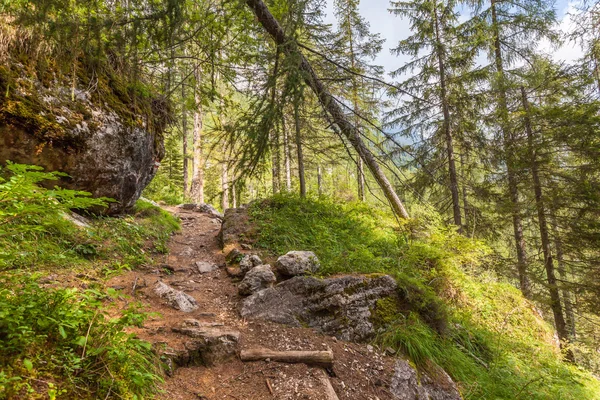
(197, 189)
(185, 142)
(287, 156)
(509, 158)
(447, 128)
(224, 182)
(464, 188)
(555, 305)
(360, 172)
(275, 160)
(301, 176)
(320, 180)
(329, 103)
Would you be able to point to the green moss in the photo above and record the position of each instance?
(386, 312)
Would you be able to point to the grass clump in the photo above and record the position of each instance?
(62, 342)
(451, 312)
(346, 238)
(36, 230)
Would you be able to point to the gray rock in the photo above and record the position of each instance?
(77, 220)
(155, 204)
(103, 150)
(249, 261)
(236, 229)
(209, 346)
(407, 384)
(340, 307)
(204, 267)
(203, 208)
(175, 298)
(297, 263)
(257, 279)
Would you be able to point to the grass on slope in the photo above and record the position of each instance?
(62, 342)
(480, 330)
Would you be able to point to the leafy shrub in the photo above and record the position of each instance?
(29, 213)
(61, 339)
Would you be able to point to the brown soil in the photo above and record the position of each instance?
(359, 371)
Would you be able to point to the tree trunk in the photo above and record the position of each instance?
(464, 188)
(447, 128)
(275, 176)
(360, 172)
(559, 320)
(287, 156)
(329, 103)
(320, 180)
(509, 158)
(224, 181)
(299, 149)
(320, 358)
(185, 142)
(197, 189)
(233, 195)
(569, 313)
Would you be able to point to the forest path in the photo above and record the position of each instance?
(357, 372)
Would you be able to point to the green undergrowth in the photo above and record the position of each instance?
(452, 312)
(57, 341)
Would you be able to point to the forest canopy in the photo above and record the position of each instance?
(485, 126)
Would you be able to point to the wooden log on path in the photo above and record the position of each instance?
(320, 358)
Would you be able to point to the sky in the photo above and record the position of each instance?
(394, 29)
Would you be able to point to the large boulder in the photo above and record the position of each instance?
(343, 307)
(296, 263)
(257, 279)
(109, 145)
(236, 230)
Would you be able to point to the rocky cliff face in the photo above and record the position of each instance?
(107, 147)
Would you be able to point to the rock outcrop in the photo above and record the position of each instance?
(203, 208)
(107, 146)
(257, 279)
(341, 307)
(175, 298)
(236, 230)
(296, 263)
(248, 262)
(408, 384)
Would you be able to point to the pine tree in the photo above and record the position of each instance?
(441, 57)
(356, 46)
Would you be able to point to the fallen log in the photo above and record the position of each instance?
(329, 103)
(329, 391)
(320, 358)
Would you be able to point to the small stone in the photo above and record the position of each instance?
(175, 298)
(296, 263)
(257, 279)
(204, 267)
(390, 351)
(369, 348)
(248, 262)
(246, 246)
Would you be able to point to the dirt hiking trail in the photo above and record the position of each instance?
(201, 347)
